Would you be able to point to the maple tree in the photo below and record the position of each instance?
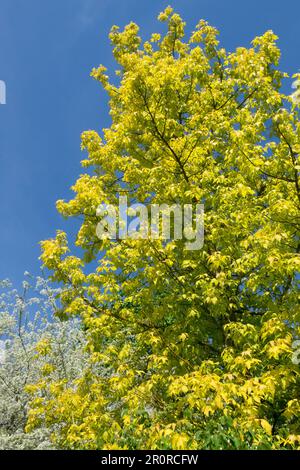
(195, 346)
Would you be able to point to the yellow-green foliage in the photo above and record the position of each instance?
(195, 346)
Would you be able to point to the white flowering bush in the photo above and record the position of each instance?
(27, 320)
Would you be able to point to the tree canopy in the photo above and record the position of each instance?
(195, 347)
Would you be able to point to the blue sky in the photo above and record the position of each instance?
(47, 51)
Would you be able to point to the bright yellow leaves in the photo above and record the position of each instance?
(193, 349)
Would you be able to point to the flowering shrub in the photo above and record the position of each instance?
(34, 346)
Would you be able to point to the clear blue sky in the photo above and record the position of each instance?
(48, 48)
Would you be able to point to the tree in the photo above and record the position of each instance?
(35, 348)
(296, 85)
(196, 346)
